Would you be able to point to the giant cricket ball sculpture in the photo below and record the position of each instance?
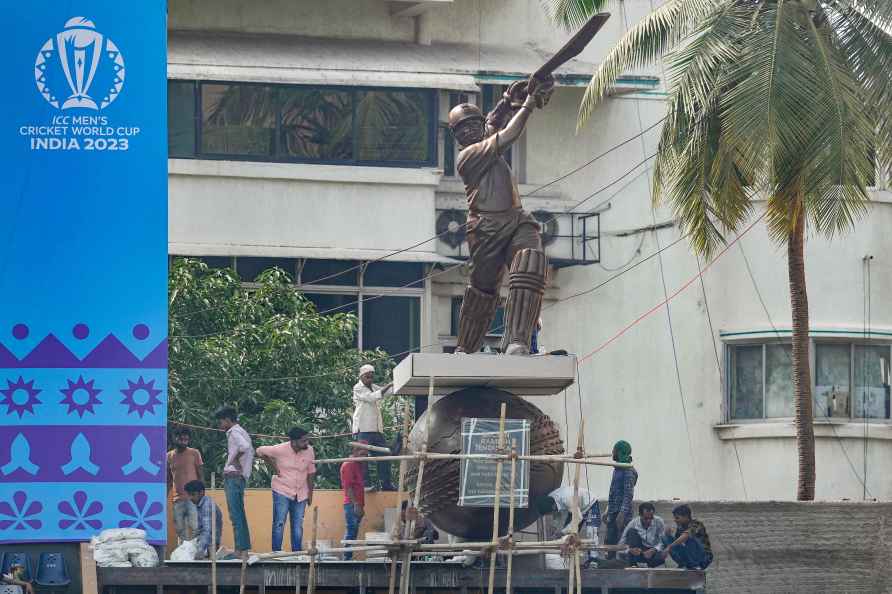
(440, 488)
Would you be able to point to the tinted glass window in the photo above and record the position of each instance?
(330, 272)
(393, 126)
(317, 124)
(181, 118)
(238, 119)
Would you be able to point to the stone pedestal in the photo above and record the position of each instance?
(539, 375)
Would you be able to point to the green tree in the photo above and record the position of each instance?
(787, 101)
(229, 345)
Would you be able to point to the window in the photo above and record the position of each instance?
(249, 268)
(393, 274)
(237, 119)
(330, 272)
(391, 323)
(317, 124)
(497, 328)
(393, 126)
(181, 118)
(303, 123)
(385, 296)
(851, 380)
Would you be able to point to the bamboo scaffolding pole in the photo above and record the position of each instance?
(371, 448)
(311, 578)
(212, 553)
(244, 574)
(401, 486)
(596, 461)
(297, 579)
(406, 572)
(511, 517)
(497, 502)
(575, 572)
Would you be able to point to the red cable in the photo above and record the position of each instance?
(672, 296)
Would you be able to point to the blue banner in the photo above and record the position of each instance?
(83, 270)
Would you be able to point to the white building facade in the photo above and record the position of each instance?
(311, 136)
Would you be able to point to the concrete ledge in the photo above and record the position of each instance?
(356, 174)
(523, 376)
(786, 429)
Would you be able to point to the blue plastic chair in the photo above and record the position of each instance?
(23, 559)
(52, 571)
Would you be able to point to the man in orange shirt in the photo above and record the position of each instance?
(294, 467)
(184, 465)
(353, 483)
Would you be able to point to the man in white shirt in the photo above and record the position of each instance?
(643, 536)
(558, 505)
(236, 472)
(368, 425)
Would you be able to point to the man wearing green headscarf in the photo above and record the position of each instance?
(622, 492)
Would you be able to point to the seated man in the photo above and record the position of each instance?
(643, 537)
(425, 532)
(205, 506)
(689, 545)
(559, 505)
(15, 577)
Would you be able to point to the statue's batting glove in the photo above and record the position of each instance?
(516, 93)
(543, 91)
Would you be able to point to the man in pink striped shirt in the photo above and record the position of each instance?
(293, 465)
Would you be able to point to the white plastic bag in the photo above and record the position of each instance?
(114, 534)
(106, 556)
(186, 551)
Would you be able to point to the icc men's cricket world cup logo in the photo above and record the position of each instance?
(84, 60)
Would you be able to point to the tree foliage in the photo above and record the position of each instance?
(266, 351)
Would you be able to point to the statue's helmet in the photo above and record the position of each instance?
(463, 112)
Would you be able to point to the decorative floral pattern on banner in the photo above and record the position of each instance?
(83, 271)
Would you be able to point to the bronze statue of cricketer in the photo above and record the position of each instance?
(500, 233)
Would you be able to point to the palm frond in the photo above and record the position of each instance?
(572, 14)
(867, 47)
(643, 44)
(838, 165)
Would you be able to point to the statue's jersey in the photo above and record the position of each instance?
(489, 182)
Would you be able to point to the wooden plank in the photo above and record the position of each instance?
(342, 575)
(89, 579)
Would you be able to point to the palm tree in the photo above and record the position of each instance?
(789, 101)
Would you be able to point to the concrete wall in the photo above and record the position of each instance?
(259, 507)
(791, 547)
(232, 208)
(521, 23)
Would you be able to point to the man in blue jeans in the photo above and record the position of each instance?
(294, 467)
(236, 472)
(689, 544)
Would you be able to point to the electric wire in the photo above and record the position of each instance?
(437, 236)
(415, 282)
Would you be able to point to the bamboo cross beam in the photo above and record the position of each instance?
(371, 448)
(497, 502)
(592, 461)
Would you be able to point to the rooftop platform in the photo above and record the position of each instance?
(536, 375)
(274, 577)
